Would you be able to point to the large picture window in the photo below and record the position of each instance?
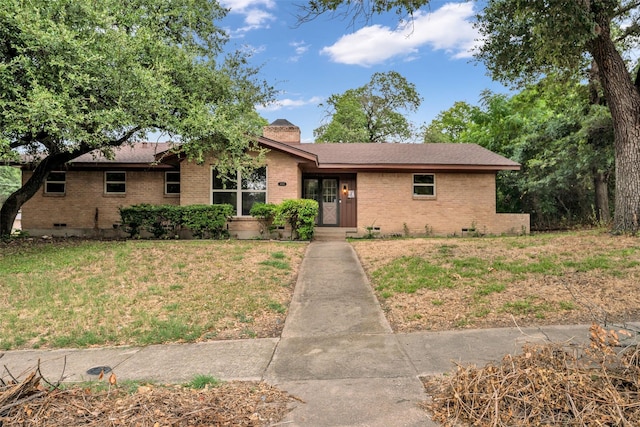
(424, 185)
(56, 183)
(115, 182)
(252, 189)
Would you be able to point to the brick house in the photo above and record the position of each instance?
(389, 188)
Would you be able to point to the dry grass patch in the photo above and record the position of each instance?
(446, 283)
(84, 293)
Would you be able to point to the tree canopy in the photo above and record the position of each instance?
(564, 143)
(79, 76)
(371, 113)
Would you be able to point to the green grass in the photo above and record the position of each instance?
(86, 293)
(407, 274)
(277, 261)
(410, 273)
(201, 381)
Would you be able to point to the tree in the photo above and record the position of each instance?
(450, 125)
(563, 143)
(371, 113)
(82, 76)
(525, 40)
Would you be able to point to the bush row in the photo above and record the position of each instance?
(165, 221)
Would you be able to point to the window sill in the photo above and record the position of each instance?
(123, 195)
(172, 195)
(54, 194)
(415, 197)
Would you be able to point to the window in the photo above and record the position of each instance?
(56, 183)
(424, 185)
(115, 182)
(172, 183)
(253, 189)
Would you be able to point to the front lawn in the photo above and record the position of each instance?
(73, 293)
(447, 283)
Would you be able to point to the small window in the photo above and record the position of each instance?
(115, 182)
(56, 183)
(424, 185)
(172, 183)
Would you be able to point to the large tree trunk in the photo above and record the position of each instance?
(624, 103)
(15, 201)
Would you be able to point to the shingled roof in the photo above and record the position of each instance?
(357, 156)
(143, 152)
(398, 156)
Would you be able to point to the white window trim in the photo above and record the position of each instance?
(47, 181)
(414, 185)
(115, 182)
(238, 190)
(166, 183)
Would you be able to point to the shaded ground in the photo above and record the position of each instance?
(495, 282)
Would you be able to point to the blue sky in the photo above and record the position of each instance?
(310, 62)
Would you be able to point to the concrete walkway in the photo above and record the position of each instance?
(337, 352)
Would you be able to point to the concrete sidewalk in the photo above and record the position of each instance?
(337, 352)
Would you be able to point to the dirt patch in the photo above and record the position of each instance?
(495, 282)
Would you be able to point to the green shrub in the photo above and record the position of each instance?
(164, 221)
(265, 214)
(300, 214)
(207, 221)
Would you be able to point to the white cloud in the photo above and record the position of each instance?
(300, 48)
(239, 6)
(449, 28)
(288, 103)
(256, 13)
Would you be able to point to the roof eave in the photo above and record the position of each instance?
(289, 149)
(413, 166)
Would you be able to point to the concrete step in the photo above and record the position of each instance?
(333, 233)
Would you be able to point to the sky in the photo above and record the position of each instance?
(309, 62)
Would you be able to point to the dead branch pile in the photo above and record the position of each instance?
(548, 384)
(235, 403)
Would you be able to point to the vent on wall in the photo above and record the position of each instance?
(59, 224)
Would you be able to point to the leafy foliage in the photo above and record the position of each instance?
(561, 141)
(9, 181)
(84, 76)
(300, 214)
(265, 214)
(371, 113)
(164, 221)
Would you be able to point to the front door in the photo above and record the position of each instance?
(336, 200)
(329, 204)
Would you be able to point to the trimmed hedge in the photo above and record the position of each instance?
(165, 221)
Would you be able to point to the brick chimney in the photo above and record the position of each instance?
(282, 130)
